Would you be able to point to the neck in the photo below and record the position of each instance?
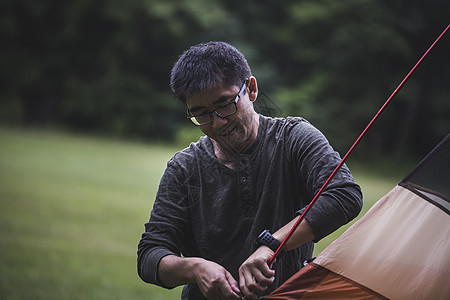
(227, 154)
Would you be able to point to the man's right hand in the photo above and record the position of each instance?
(215, 282)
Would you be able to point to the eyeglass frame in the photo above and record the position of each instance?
(235, 101)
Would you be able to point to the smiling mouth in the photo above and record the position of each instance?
(228, 132)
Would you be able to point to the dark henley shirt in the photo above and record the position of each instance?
(204, 209)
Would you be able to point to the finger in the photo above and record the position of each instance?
(262, 282)
(266, 270)
(233, 283)
(225, 294)
(244, 279)
(221, 292)
(254, 280)
(229, 288)
(257, 287)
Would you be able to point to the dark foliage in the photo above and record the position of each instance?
(103, 66)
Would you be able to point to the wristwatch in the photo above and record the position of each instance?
(266, 239)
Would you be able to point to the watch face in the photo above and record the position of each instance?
(260, 240)
(265, 238)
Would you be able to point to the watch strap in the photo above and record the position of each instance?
(267, 239)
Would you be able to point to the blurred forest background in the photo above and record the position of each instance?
(72, 206)
(102, 67)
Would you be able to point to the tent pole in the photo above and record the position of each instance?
(313, 201)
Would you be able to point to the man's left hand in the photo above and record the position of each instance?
(255, 274)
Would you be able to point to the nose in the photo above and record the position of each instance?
(218, 122)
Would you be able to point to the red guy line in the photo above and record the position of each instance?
(313, 201)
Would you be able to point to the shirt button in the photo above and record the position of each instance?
(244, 180)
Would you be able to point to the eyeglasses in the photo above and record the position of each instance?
(222, 111)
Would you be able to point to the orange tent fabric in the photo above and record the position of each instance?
(318, 282)
(399, 250)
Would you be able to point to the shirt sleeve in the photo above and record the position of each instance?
(315, 159)
(165, 232)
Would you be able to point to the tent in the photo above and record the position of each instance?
(399, 250)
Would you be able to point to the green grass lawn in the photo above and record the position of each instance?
(72, 211)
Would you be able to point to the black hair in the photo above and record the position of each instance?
(206, 66)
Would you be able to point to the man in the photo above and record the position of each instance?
(250, 173)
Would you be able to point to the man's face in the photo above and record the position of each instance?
(234, 133)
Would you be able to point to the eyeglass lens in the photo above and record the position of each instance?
(223, 111)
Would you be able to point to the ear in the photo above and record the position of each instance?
(252, 87)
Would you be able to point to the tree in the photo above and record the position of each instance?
(104, 65)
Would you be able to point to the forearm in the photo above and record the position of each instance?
(350, 201)
(301, 235)
(174, 270)
(336, 207)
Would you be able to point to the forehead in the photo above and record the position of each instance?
(211, 98)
